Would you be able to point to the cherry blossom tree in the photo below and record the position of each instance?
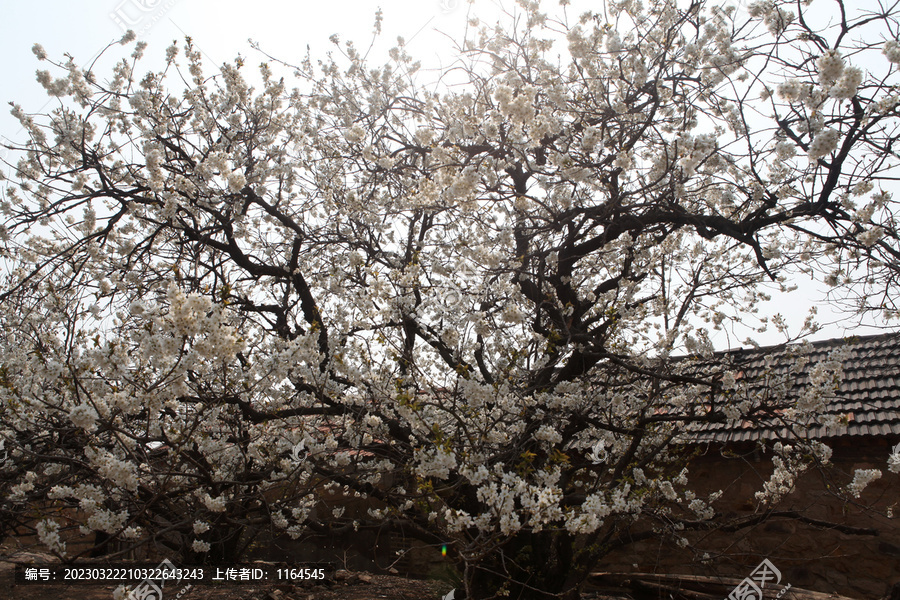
(485, 308)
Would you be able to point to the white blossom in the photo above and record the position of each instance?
(84, 416)
(355, 134)
(830, 66)
(214, 504)
(891, 50)
(48, 534)
(870, 237)
(823, 144)
(201, 527)
(894, 460)
(861, 479)
(236, 181)
(847, 84)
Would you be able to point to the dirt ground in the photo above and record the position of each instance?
(347, 585)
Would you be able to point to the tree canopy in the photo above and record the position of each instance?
(485, 307)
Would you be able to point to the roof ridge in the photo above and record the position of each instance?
(831, 342)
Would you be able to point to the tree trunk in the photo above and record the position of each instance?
(532, 566)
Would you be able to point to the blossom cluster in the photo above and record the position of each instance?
(48, 534)
(861, 479)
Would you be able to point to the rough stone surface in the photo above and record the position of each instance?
(817, 558)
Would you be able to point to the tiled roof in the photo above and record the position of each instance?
(867, 399)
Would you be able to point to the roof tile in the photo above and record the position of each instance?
(868, 394)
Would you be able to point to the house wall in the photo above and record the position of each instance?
(818, 558)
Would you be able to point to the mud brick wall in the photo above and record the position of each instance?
(809, 556)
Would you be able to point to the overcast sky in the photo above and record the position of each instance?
(221, 30)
